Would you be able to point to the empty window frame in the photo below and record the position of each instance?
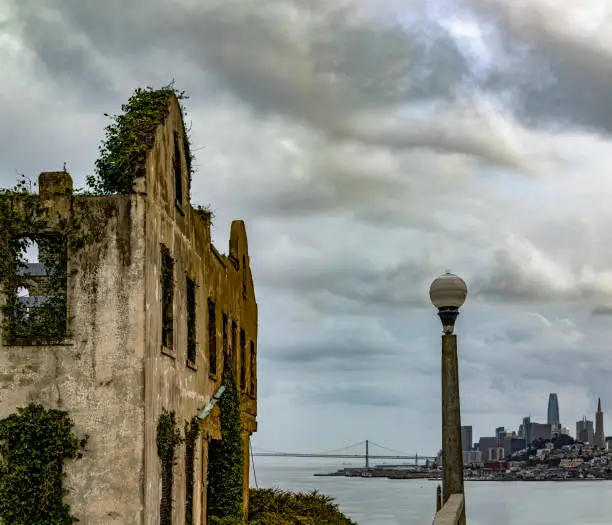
(37, 306)
(235, 346)
(191, 321)
(212, 338)
(225, 341)
(253, 368)
(167, 299)
(243, 363)
(244, 276)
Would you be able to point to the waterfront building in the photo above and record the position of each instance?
(466, 438)
(526, 429)
(486, 445)
(599, 426)
(584, 431)
(540, 431)
(472, 457)
(499, 431)
(553, 410)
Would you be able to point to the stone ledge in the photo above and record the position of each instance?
(451, 512)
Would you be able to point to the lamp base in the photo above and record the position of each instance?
(448, 315)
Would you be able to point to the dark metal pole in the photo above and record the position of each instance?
(451, 421)
(367, 454)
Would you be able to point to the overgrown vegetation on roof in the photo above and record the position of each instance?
(130, 136)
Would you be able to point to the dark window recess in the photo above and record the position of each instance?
(244, 276)
(191, 321)
(253, 368)
(212, 337)
(191, 436)
(235, 346)
(167, 285)
(225, 342)
(36, 308)
(178, 172)
(243, 364)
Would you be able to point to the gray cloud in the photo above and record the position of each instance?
(367, 155)
(324, 64)
(558, 59)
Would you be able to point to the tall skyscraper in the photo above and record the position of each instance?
(600, 440)
(584, 431)
(553, 411)
(466, 438)
(527, 434)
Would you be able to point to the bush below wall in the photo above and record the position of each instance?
(277, 507)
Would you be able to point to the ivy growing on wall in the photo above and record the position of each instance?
(226, 457)
(34, 443)
(168, 439)
(130, 136)
(192, 431)
(22, 222)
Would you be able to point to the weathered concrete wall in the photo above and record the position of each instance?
(170, 383)
(112, 375)
(97, 375)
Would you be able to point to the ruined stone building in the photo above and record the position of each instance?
(150, 311)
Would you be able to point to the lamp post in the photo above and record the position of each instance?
(448, 293)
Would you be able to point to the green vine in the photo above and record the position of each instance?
(168, 438)
(226, 457)
(22, 223)
(192, 431)
(205, 213)
(34, 443)
(130, 136)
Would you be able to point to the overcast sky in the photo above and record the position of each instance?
(369, 145)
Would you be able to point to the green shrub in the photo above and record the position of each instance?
(278, 507)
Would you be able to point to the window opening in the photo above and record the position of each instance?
(191, 321)
(242, 360)
(212, 337)
(167, 283)
(235, 346)
(178, 172)
(253, 367)
(225, 342)
(36, 308)
(244, 276)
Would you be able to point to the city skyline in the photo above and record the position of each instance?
(553, 418)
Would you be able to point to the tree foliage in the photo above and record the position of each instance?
(34, 443)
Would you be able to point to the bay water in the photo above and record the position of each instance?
(381, 501)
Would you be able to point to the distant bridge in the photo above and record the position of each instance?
(338, 454)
